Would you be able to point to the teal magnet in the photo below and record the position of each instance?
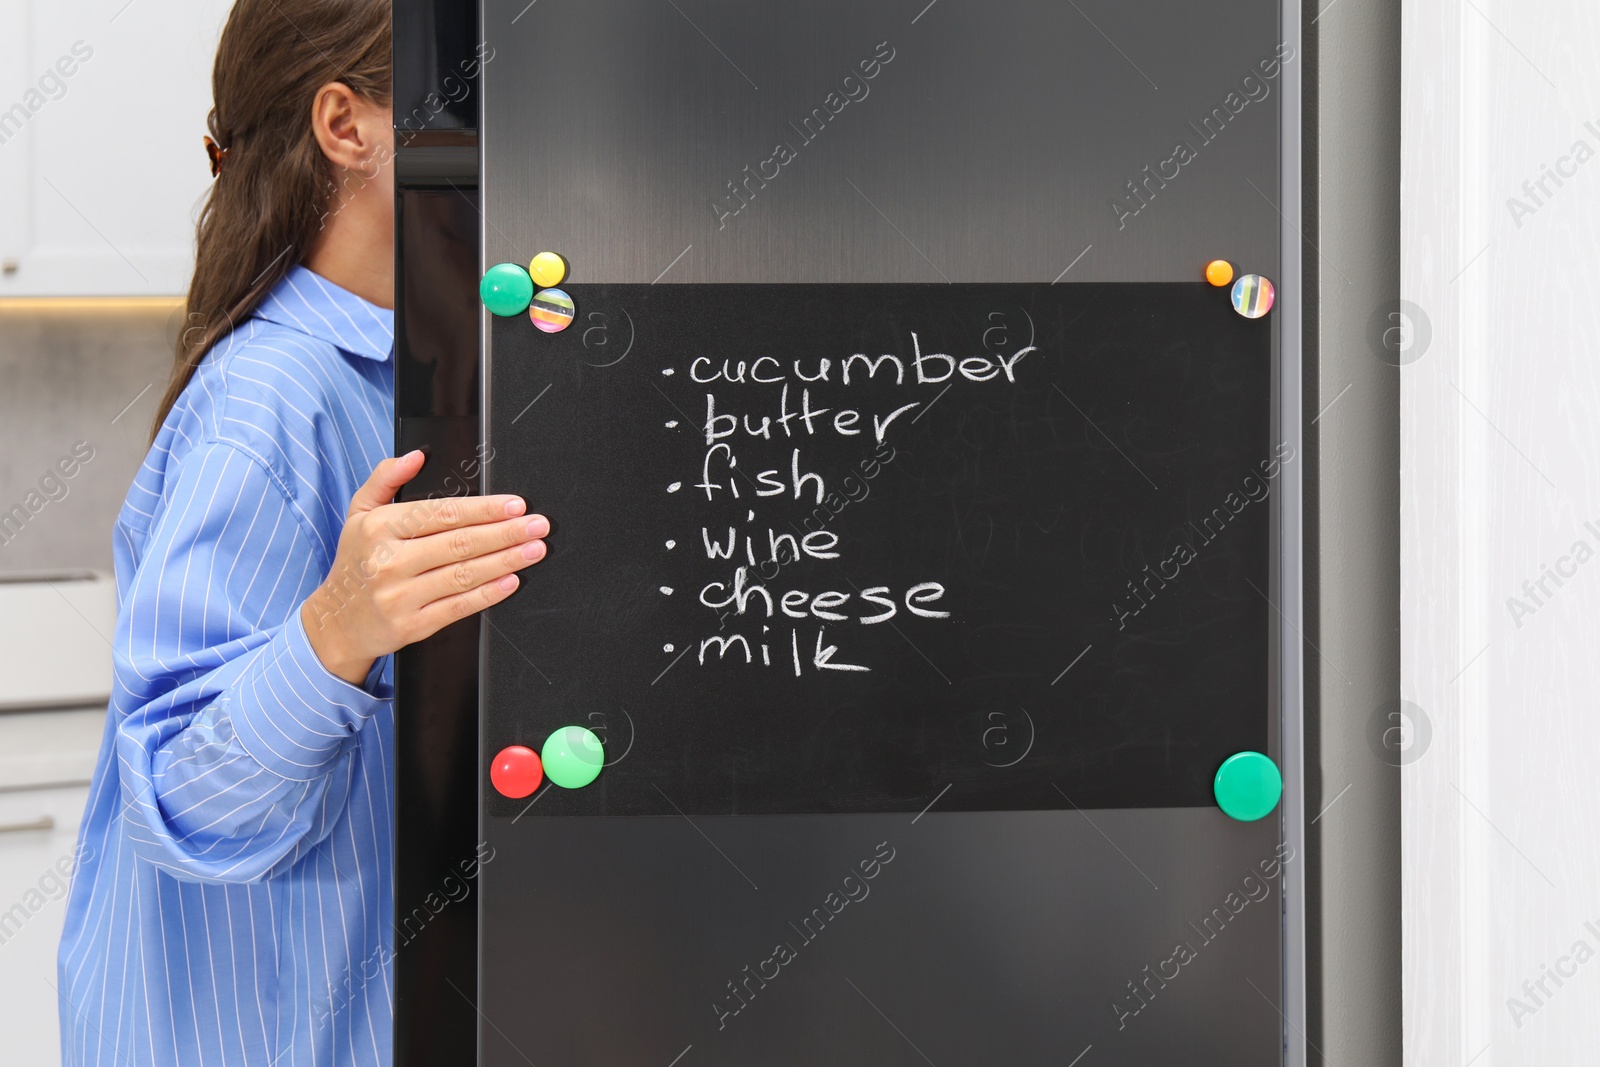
(506, 289)
(572, 757)
(1248, 786)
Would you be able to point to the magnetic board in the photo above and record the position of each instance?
(837, 547)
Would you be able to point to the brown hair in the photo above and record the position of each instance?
(266, 206)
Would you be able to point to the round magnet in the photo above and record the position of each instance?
(1252, 296)
(548, 269)
(516, 771)
(551, 310)
(1219, 272)
(573, 757)
(1248, 786)
(506, 289)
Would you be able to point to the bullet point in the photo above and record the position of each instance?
(672, 424)
(672, 545)
(674, 487)
(668, 371)
(667, 648)
(666, 590)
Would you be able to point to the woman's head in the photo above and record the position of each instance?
(297, 90)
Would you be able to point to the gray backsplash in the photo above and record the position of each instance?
(70, 374)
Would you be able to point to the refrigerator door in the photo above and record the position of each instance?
(916, 534)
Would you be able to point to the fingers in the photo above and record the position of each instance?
(386, 480)
(441, 613)
(427, 517)
(423, 554)
(467, 575)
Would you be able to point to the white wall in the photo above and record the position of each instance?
(102, 168)
(1500, 475)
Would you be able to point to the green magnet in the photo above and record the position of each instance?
(572, 757)
(506, 289)
(1248, 786)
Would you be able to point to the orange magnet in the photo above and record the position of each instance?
(1219, 272)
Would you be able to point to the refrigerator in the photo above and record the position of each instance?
(914, 674)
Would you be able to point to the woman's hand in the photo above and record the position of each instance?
(405, 571)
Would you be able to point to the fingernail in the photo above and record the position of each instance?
(538, 526)
(533, 550)
(508, 583)
(515, 506)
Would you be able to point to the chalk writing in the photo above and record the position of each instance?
(764, 419)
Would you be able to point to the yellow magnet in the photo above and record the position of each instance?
(550, 269)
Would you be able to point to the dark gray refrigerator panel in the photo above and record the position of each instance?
(980, 828)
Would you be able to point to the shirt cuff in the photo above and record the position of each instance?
(294, 717)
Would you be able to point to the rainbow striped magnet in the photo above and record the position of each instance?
(1252, 296)
(552, 310)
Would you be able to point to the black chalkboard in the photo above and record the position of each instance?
(1068, 514)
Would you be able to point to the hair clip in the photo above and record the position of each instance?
(218, 156)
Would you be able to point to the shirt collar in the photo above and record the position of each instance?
(310, 303)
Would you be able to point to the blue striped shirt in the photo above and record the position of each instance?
(231, 905)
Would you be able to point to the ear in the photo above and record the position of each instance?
(353, 132)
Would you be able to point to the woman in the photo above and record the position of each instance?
(232, 900)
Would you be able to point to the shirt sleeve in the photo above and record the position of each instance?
(236, 757)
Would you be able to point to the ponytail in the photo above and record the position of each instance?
(273, 185)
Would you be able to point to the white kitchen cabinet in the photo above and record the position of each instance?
(102, 170)
(55, 641)
(54, 653)
(45, 762)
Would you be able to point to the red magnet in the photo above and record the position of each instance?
(516, 771)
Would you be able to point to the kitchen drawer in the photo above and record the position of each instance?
(46, 759)
(55, 640)
(38, 839)
(49, 748)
